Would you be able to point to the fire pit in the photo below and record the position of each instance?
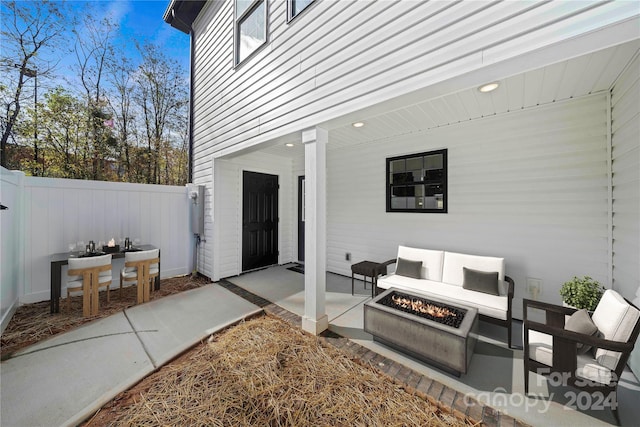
(426, 328)
(420, 306)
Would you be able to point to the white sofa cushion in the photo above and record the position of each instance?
(431, 261)
(408, 283)
(453, 263)
(615, 320)
(541, 350)
(489, 305)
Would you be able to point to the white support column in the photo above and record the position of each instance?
(315, 319)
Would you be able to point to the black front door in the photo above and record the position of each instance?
(259, 220)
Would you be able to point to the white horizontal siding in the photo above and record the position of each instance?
(343, 55)
(228, 210)
(625, 139)
(530, 186)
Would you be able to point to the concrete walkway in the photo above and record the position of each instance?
(65, 379)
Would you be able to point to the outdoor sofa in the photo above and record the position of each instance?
(470, 280)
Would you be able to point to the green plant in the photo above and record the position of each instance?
(582, 292)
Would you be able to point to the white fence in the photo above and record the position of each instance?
(46, 215)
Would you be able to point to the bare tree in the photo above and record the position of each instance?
(162, 96)
(121, 76)
(93, 50)
(28, 29)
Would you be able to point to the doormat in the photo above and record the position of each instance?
(298, 268)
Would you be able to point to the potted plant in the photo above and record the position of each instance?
(582, 292)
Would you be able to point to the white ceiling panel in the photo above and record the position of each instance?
(431, 115)
(485, 103)
(572, 78)
(614, 66)
(576, 69)
(500, 101)
(533, 81)
(515, 92)
(468, 99)
(553, 76)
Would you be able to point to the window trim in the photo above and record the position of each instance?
(445, 168)
(238, 20)
(290, 16)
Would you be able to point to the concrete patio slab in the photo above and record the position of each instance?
(50, 383)
(63, 380)
(168, 326)
(336, 303)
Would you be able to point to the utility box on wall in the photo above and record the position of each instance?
(196, 208)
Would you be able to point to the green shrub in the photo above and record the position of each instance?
(582, 292)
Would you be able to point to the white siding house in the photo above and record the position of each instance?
(542, 171)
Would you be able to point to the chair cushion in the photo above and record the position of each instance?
(541, 350)
(140, 256)
(97, 261)
(133, 274)
(581, 323)
(615, 319)
(78, 283)
(408, 268)
(481, 281)
(587, 367)
(541, 347)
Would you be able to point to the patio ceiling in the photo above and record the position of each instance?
(572, 78)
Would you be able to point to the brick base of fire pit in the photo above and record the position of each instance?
(423, 335)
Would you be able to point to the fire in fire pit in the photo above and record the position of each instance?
(421, 306)
(436, 311)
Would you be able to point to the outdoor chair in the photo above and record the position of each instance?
(141, 267)
(88, 275)
(586, 352)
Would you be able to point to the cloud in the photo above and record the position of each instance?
(118, 10)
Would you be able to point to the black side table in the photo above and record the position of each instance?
(367, 269)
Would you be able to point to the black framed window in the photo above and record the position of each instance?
(296, 6)
(417, 182)
(251, 27)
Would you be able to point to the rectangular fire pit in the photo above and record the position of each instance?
(391, 320)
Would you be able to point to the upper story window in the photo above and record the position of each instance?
(297, 6)
(417, 182)
(251, 27)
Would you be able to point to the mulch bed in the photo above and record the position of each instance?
(32, 323)
(264, 372)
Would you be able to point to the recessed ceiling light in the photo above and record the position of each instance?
(489, 87)
(289, 144)
(358, 124)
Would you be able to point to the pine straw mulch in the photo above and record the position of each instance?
(266, 372)
(32, 323)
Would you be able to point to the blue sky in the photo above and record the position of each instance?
(139, 19)
(143, 19)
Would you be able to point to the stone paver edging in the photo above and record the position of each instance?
(435, 392)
